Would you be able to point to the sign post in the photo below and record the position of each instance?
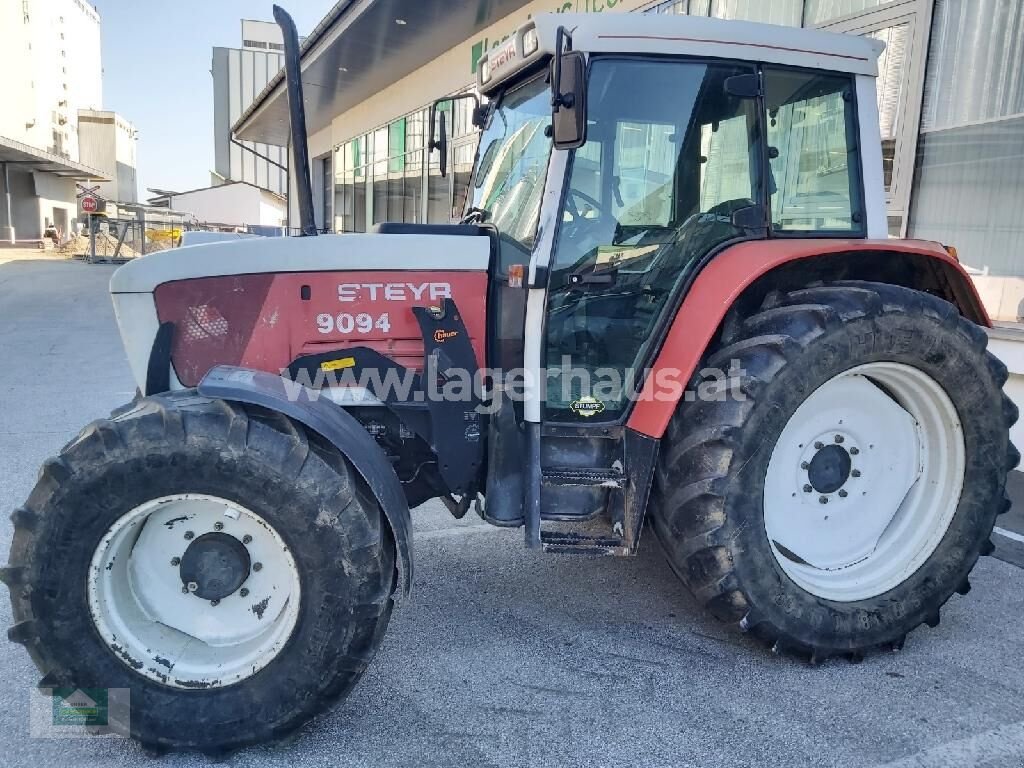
(90, 203)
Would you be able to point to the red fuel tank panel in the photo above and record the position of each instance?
(265, 321)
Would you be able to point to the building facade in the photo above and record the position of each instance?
(239, 74)
(50, 52)
(108, 142)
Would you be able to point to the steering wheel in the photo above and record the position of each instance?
(573, 208)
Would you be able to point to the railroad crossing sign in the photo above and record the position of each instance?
(87, 191)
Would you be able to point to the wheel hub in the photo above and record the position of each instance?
(214, 566)
(829, 469)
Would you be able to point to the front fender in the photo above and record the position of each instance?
(267, 390)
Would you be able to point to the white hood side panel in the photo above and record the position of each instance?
(303, 254)
(138, 323)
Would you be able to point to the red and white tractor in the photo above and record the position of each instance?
(672, 299)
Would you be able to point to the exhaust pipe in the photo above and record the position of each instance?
(297, 115)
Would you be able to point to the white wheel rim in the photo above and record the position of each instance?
(153, 624)
(905, 445)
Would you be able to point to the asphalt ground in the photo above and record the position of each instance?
(509, 657)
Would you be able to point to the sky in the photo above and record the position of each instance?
(156, 74)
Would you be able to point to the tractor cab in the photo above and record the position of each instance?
(612, 167)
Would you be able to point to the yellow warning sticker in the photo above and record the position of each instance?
(339, 364)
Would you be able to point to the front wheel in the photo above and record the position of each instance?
(847, 491)
(226, 568)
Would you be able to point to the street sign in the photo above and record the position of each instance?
(90, 204)
(87, 191)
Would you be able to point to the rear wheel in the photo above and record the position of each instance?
(848, 491)
(222, 564)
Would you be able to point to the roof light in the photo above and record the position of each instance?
(531, 42)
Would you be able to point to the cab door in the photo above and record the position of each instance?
(671, 171)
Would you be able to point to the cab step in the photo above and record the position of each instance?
(590, 477)
(566, 542)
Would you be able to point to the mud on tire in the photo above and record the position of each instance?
(707, 506)
(183, 443)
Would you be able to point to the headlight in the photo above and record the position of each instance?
(531, 43)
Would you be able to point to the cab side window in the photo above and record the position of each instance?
(812, 148)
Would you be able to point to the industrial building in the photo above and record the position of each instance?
(228, 205)
(53, 133)
(239, 74)
(108, 142)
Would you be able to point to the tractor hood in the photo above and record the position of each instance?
(264, 302)
(303, 254)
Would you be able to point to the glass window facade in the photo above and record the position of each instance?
(823, 11)
(385, 175)
(968, 186)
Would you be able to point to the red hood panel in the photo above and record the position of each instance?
(265, 321)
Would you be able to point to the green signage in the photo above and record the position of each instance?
(561, 6)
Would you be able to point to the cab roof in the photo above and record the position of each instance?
(662, 34)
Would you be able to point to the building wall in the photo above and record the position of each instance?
(53, 46)
(239, 74)
(107, 143)
(231, 204)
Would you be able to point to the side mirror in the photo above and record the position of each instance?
(569, 100)
(441, 125)
(441, 143)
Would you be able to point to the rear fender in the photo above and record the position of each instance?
(270, 391)
(744, 267)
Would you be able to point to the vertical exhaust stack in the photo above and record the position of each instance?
(297, 112)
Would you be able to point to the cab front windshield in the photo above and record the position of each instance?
(514, 149)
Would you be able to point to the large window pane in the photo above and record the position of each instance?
(967, 186)
(822, 11)
(813, 150)
(785, 12)
(891, 90)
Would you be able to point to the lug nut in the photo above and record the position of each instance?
(843, 494)
(819, 445)
(854, 451)
(244, 592)
(215, 603)
(823, 499)
(807, 489)
(257, 566)
(246, 539)
(804, 465)
(192, 586)
(189, 535)
(855, 473)
(175, 561)
(839, 438)
(218, 526)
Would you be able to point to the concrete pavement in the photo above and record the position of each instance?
(509, 657)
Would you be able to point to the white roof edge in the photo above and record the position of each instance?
(713, 38)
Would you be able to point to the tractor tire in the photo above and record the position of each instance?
(225, 567)
(846, 489)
